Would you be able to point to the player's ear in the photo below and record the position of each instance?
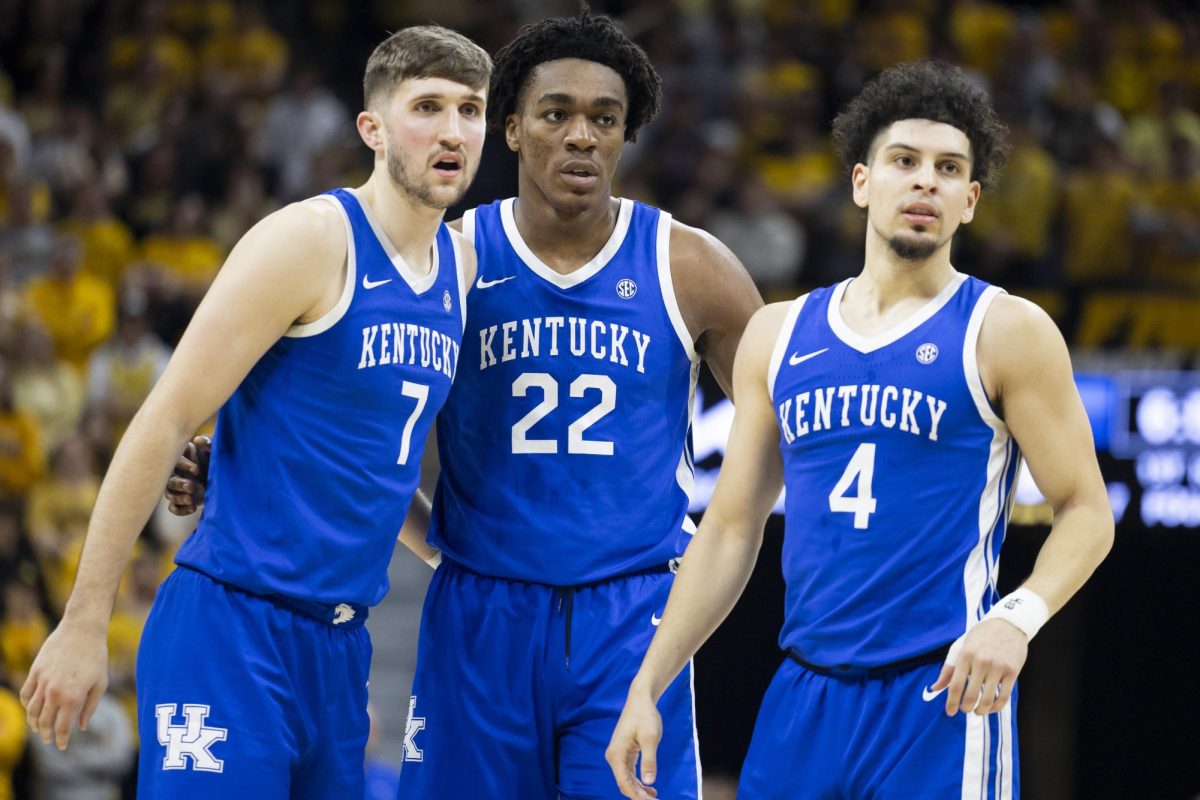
(860, 178)
(972, 198)
(512, 130)
(370, 128)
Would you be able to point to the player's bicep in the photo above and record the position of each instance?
(273, 277)
(1040, 402)
(752, 472)
(716, 297)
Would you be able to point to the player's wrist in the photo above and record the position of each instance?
(1024, 609)
(435, 560)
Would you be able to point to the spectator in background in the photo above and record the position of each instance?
(308, 118)
(1099, 198)
(21, 460)
(95, 764)
(13, 734)
(185, 256)
(45, 386)
(245, 203)
(77, 309)
(22, 630)
(764, 237)
(122, 371)
(108, 244)
(248, 50)
(26, 238)
(56, 516)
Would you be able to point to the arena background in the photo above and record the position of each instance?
(138, 140)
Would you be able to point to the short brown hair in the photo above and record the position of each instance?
(425, 51)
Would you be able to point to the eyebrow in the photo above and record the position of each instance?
(911, 149)
(603, 101)
(474, 98)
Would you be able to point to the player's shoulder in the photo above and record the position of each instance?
(692, 245)
(314, 228)
(764, 329)
(1014, 320)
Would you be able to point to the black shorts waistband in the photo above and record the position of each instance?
(671, 567)
(341, 615)
(938, 654)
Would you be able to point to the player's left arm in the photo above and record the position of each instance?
(1026, 370)
(716, 297)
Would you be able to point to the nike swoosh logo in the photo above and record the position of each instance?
(655, 619)
(370, 284)
(799, 359)
(927, 695)
(482, 284)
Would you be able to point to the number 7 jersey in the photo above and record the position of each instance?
(899, 478)
(565, 441)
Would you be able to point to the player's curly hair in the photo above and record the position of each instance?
(930, 90)
(592, 37)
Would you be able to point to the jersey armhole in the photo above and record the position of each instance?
(781, 343)
(971, 360)
(331, 317)
(460, 270)
(667, 286)
(468, 226)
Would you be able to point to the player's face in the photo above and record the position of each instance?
(431, 133)
(917, 188)
(569, 132)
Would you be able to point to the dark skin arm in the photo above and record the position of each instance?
(716, 297)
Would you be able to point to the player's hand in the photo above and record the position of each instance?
(638, 731)
(66, 681)
(185, 487)
(981, 677)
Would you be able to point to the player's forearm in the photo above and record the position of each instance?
(1081, 537)
(713, 574)
(416, 527)
(127, 497)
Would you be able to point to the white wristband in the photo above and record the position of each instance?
(1023, 608)
(435, 560)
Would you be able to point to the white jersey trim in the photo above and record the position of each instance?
(539, 268)
(685, 473)
(695, 731)
(331, 317)
(418, 283)
(667, 285)
(468, 226)
(460, 270)
(869, 344)
(971, 359)
(782, 341)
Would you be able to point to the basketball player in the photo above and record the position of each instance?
(564, 443)
(331, 335)
(895, 407)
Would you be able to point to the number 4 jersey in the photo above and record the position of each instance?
(899, 478)
(317, 453)
(565, 446)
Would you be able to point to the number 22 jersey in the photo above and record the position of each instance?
(565, 441)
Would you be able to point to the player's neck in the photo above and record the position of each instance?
(887, 279)
(410, 226)
(565, 239)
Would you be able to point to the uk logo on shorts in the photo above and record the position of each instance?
(927, 353)
(191, 740)
(415, 725)
(626, 288)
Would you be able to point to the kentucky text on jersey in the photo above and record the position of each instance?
(406, 343)
(584, 338)
(889, 406)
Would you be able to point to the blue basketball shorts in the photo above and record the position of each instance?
(519, 686)
(241, 697)
(819, 736)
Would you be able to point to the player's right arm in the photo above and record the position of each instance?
(289, 268)
(719, 559)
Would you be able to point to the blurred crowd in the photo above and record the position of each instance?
(140, 140)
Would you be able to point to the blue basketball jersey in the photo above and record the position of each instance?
(565, 442)
(898, 474)
(317, 453)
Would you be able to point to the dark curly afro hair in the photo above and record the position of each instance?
(588, 36)
(924, 90)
